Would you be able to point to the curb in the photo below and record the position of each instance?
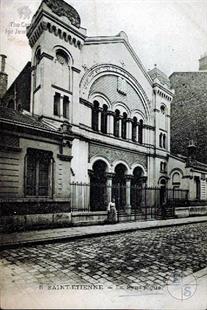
(83, 235)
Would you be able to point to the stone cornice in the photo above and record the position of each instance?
(64, 157)
(148, 127)
(45, 55)
(85, 102)
(76, 69)
(36, 29)
(61, 89)
(164, 89)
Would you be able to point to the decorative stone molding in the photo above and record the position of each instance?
(110, 175)
(128, 177)
(52, 28)
(64, 157)
(46, 56)
(85, 102)
(112, 154)
(76, 69)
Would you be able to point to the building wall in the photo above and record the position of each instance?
(18, 94)
(13, 165)
(183, 176)
(189, 112)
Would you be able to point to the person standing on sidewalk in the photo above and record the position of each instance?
(112, 212)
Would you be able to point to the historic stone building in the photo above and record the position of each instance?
(97, 117)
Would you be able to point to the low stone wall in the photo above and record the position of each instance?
(89, 218)
(191, 211)
(25, 222)
(34, 221)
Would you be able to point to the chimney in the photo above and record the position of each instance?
(203, 62)
(3, 76)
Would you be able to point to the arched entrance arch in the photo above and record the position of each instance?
(163, 185)
(137, 184)
(98, 188)
(119, 185)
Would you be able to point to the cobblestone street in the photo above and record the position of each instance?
(146, 258)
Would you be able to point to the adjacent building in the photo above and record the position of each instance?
(189, 110)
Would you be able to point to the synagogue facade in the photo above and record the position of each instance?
(97, 124)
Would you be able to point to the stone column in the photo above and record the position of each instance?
(129, 129)
(90, 173)
(61, 106)
(145, 135)
(110, 123)
(99, 119)
(128, 193)
(120, 127)
(109, 186)
(137, 133)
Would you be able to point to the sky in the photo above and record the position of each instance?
(169, 33)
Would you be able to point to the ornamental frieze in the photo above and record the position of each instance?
(112, 154)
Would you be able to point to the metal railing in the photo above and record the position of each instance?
(133, 203)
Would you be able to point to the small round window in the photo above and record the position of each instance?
(62, 57)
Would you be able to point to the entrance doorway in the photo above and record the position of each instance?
(119, 186)
(98, 190)
(136, 188)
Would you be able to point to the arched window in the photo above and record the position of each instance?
(134, 129)
(123, 129)
(140, 138)
(104, 119)
(164, 141)
(62, 74)
(116, 123)
(176, 179)
(160, 140)
(163, 109)
(62, 57)
(95, 111)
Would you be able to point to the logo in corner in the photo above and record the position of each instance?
(181, 288)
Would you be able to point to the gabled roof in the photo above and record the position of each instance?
(121, 37)
(15, 117)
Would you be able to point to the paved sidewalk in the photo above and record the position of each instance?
(71, 233)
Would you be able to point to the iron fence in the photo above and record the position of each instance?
(132, 203)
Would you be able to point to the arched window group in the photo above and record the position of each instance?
(61, 105)
(100, 119)
(120, 124)
(162, 140)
